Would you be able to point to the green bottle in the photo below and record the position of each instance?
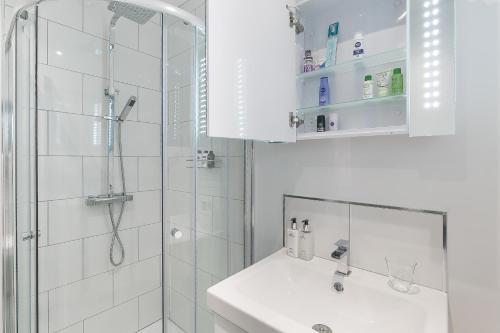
(397, 82)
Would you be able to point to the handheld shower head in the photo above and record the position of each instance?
(127, 108)
(135, 13)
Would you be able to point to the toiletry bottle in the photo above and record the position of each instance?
(211, 159)
(320, 123)
(306, 242)
(324, 91)
(293, 239)
(358, 45)
(368, 87)
(397, 82)
(333, 121)
(331, 44)
(308, 62)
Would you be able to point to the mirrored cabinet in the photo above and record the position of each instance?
(283, 71)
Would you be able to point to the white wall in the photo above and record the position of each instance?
(458, 174)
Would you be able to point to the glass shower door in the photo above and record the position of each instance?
(20, 164)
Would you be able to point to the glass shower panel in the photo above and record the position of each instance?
(80, 288)
(19, 126)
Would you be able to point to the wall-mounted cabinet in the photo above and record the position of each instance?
(259, 88)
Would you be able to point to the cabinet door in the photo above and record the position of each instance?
(432, 67)
(251, 70)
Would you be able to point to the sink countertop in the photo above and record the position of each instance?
(284, 294)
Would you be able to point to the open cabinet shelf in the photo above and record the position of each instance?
(397, 55)
(357, 132)
(354, 104)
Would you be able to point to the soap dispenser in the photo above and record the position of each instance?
(293, 239)
(306, 242)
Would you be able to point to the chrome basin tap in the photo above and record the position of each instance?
(341, 256)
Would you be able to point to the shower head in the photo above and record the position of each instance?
(128, 107)
(132, 12)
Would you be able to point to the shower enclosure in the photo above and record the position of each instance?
(119, 211)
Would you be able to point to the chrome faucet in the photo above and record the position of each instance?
(342, 257)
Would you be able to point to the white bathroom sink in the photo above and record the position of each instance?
(282, 294)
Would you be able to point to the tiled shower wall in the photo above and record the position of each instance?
(80, 291)
(219, 204)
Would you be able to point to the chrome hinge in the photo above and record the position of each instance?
(29, 235)
(294, 20)
(295, 121)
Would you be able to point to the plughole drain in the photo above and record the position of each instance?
(322, 328)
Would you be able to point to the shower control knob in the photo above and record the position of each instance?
(176, 233)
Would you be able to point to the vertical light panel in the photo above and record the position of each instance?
(432, 67)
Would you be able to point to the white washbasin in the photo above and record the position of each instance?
(283, 294)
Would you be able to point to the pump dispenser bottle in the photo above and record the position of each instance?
(293, 239)
(306, 243)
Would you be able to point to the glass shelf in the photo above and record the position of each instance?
(353, 104)
(357, 132)
(350, 66)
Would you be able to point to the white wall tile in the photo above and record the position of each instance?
(179, 207)
(180, 140)
(180, 38)
(43, 135)
(145, 71)
(60, 264)
(212, 254)
(377, 233)
(150, 308)
(144, 209)
(96, 252)
(180, 70)
(136, 279)
(42, 40)
(150, 173)
(150, 39)
(75, 50)
(72, 219)
(76, 135)
(59, 177)
(43, 215)
(204, 207)
(203, 281)
(182, 278)
(77, 328)
(232, 218)
(236, 166)
(182, 248)
(150, 109)
(59, 89)
(43, 312)
(182, 312)
(67, 12)
(97, 18)
(204, 320)
(237, 258)
(72, 303)
(141, 139)
(96, 103)
(120, 319)
(180, 178)
(150, 241)
(95, 175)
(180, 104)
